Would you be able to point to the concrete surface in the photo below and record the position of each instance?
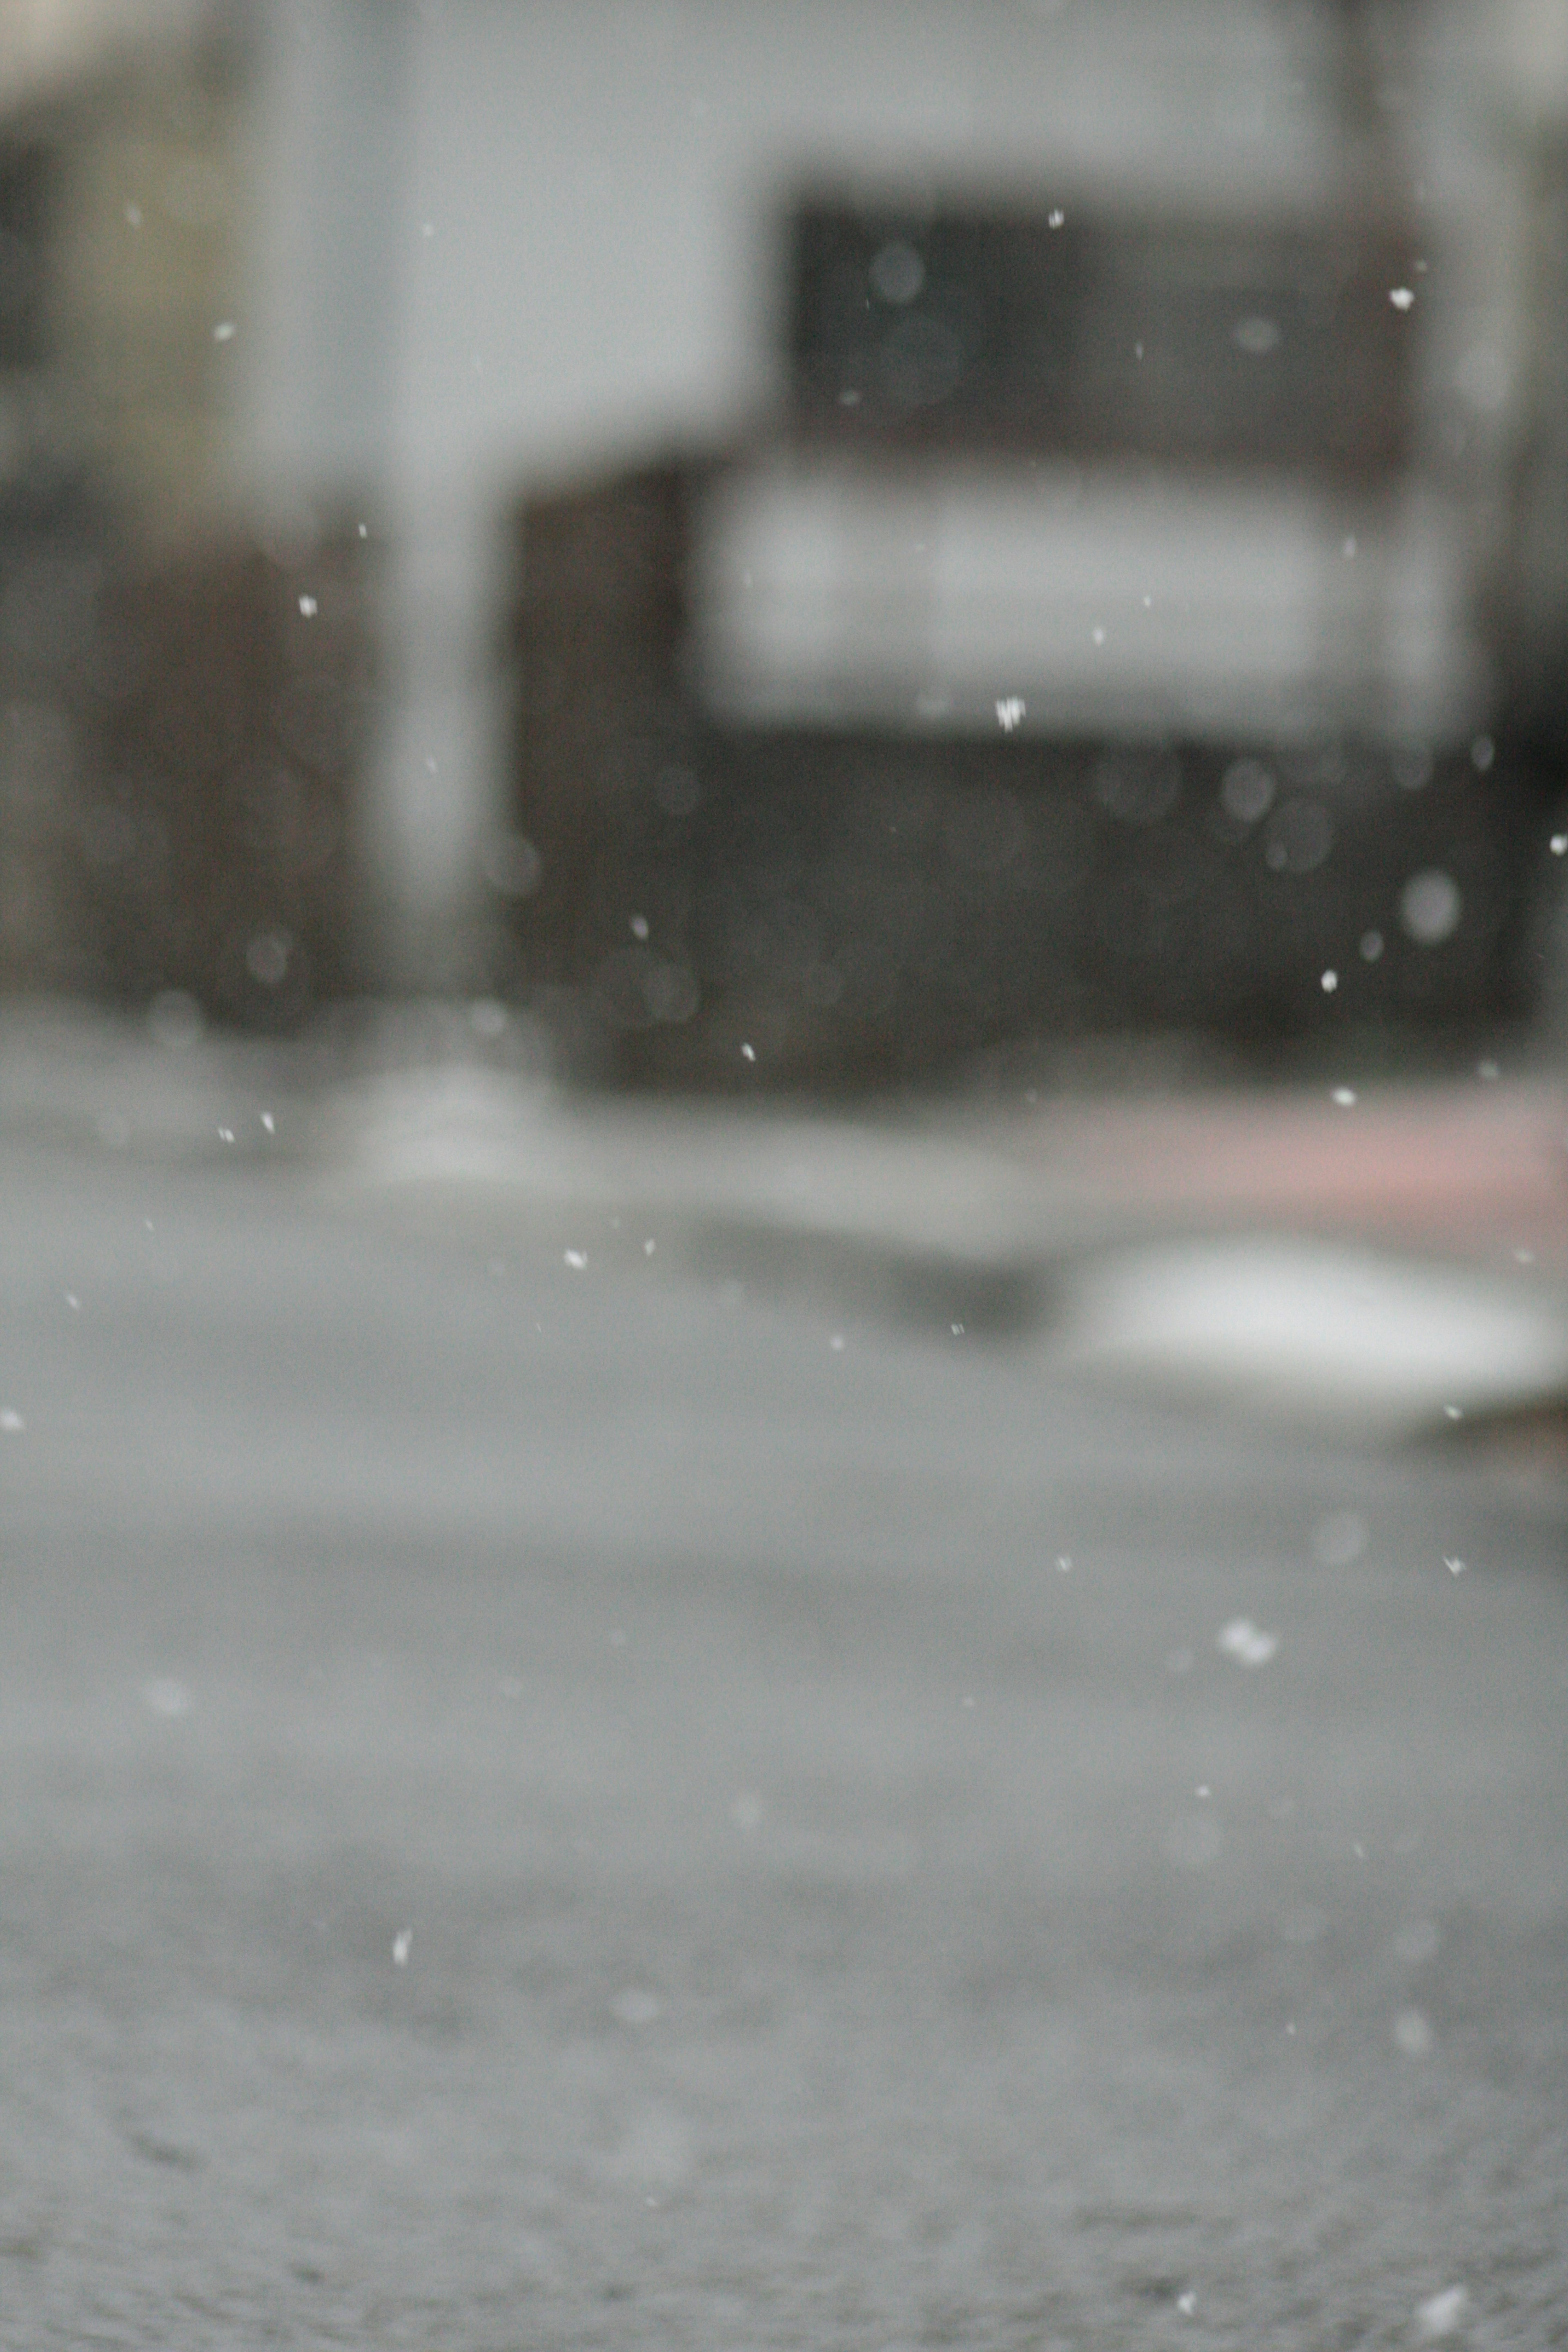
(611, 1804)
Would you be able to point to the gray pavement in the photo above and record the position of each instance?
(633, 1802)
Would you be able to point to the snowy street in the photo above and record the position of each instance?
(783, 1176)
(564, 1804)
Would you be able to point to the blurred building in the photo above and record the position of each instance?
(175, 776)
(338, 275)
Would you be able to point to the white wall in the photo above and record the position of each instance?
(596, 184)
(328, 238)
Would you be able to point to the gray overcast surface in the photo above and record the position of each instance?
(552, 1807)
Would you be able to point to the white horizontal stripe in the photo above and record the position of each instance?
(836, 592)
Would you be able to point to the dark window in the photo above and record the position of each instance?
(1197, 341)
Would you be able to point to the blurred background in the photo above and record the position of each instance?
(784, 1003)
(869, 537)
(784, 1173)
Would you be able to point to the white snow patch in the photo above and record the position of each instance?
(1289, 1326)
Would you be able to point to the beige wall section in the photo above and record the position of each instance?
(145, 117)
(148, 280)
(140, 114)
(48, 46)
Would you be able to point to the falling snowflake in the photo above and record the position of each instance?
(576, 1259)
(1401, 297)
(1009, 711)
(1246, 1644)
(1442, 2315)
(400, 1944)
